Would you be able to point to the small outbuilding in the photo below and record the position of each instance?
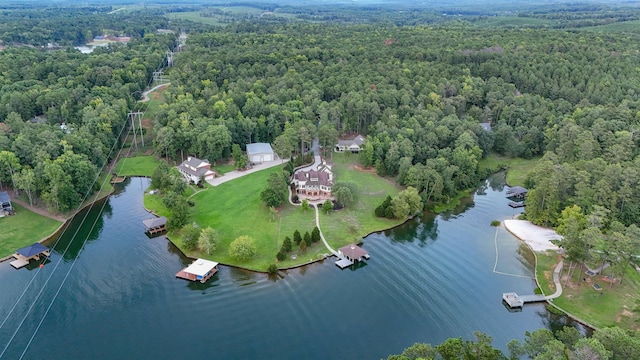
(260, 152)
(200, 270)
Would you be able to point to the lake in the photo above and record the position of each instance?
(117, 296)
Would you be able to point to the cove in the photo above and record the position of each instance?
(429, 279)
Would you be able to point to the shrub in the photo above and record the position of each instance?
(495, 223)
(272, 269)
(280, 256)
(242, 248)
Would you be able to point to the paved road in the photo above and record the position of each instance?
(231, 175)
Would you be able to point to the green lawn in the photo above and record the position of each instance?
(137, 166)
(224, 168)
(22, 229)
(517, 169)
(351, 224)
(234, 209)
(615, 307)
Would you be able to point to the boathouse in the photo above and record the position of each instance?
(200, 270)
(25, 254)
(349, 254)
(517, 192)
(155, 225)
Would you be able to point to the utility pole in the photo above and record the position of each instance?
(133, 116)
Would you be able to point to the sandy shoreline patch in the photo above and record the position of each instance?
(537, 237)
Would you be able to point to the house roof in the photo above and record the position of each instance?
(357, 140)
(194, 162)
(4, 197)
(155, 222)
(32, 250)
(517, 190)
(323, 177)
(353, 251)
(259, 148)
(197, 173)
(200, 267)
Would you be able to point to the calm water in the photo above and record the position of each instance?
(426, 281)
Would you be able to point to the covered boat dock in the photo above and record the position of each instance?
(24, 255)
(349, 254)
(200, 270)
(155, 225)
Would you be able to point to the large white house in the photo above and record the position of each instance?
(314, 183)
(353, 144)
(260, 152)
(194, 169)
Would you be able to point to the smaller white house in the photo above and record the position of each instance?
(260, 152)
(194, 169)
(353, 144)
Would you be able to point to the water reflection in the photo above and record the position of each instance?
(85, 227)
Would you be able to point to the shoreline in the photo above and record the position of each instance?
(522, 230)
(65, 222)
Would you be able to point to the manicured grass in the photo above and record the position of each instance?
(137, 166)
(224, 168)
(22, 229)
(234, 209)
(615, 307)
(517, 169)
(351, 224)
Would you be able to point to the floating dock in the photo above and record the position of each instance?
(514, 204)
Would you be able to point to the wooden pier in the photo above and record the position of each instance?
(515, 301)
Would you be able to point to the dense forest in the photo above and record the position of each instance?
(418, 85)
(420, 94)
(61, 113)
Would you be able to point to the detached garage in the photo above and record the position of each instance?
(260, 152)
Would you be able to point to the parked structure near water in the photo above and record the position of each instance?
(517, 192)
(350, 254)
(25, 254)
(200, 270)
(155, 225)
